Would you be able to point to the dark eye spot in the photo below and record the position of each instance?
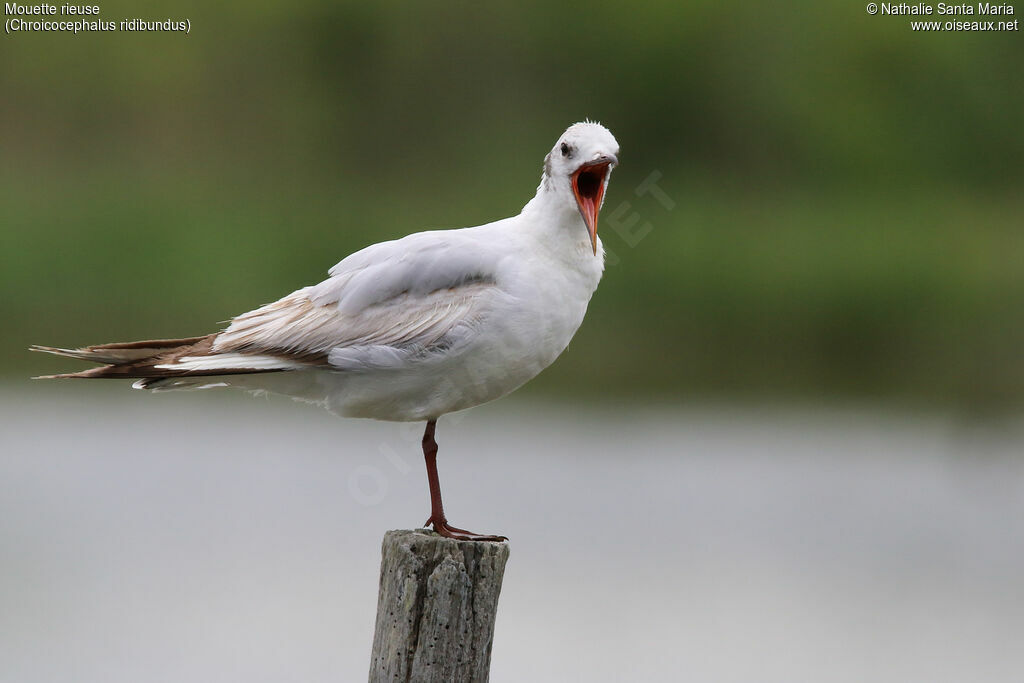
(566, 149)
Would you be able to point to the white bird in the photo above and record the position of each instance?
(418, 327)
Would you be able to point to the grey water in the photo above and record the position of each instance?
(217, 537)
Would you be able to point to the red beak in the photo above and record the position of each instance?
(588, 183)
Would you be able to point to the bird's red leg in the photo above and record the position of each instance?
(437, 519)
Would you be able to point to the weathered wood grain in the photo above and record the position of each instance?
(436, 608)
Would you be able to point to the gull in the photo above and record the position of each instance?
(414, 328)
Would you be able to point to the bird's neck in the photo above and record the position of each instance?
(550, 209)
(555, 220)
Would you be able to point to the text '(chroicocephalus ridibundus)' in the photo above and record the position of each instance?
(418, 327)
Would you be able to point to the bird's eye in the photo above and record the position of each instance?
(566, 149)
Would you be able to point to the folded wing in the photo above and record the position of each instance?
(389, 304)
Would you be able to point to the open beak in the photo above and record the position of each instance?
(588, 183)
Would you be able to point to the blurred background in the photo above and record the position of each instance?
(808, 340)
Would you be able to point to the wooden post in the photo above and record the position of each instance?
(436, 608)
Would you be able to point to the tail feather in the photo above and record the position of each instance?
(124, 359)
(164, 358)
(114, 354)
(75, 375)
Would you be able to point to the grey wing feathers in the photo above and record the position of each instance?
(411, 294)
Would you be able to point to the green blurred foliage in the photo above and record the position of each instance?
(845, 194)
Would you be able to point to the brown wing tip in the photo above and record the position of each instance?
(45, 349)
(149, 344)
(103, 371)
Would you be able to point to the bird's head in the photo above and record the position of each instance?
(578, 167)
